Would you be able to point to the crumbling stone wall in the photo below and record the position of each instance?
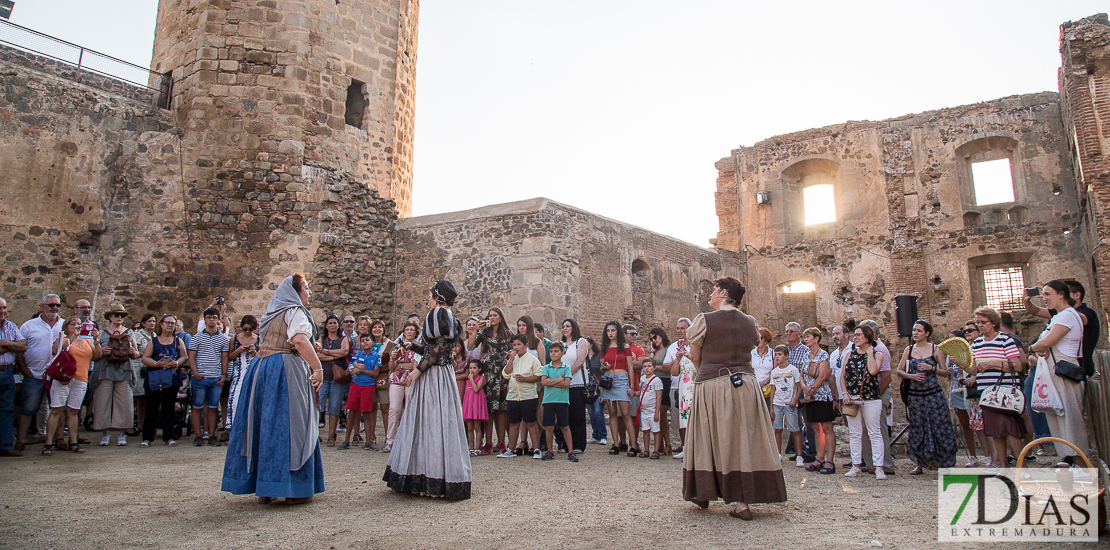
(1084, 79)
(94, 205)
(906, 220)
(87, 174)
(552, 261)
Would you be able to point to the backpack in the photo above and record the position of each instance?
(118, 349)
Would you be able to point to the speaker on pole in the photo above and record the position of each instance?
(906, 309)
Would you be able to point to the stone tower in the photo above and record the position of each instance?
(297, 129)
(333, 78)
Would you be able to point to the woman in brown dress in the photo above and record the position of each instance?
(730, 445)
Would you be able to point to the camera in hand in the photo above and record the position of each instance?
(1032, 292)
(220, 300)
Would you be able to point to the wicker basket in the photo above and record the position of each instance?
(1064, 486)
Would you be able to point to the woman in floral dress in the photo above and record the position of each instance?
(931, 440)
(684, 371)
(493, 337)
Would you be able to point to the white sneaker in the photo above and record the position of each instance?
(854, 472)
(121, 440)
(537, 454)
(172, 443)
(972, 462)
(603, 441)
(800, 462)
(879, 473)
(679, 456)
(104, 441)
(507, 454)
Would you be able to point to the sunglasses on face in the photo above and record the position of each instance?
(53, 305)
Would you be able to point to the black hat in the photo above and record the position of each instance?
(444, 290)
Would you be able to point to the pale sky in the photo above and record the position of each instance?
(622, 107)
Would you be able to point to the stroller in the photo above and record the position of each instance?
(182, 408)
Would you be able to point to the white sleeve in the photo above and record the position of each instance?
(1071, 321)
(672, 352)
(298, 323)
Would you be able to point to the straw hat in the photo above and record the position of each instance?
(116, 308)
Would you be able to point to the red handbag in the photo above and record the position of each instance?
(62, 369)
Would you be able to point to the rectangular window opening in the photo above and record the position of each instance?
(820, 204)
(993, 182)
(1004, 287)
(356, 104)
(165, 90)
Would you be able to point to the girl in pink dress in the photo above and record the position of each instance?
(474, 405)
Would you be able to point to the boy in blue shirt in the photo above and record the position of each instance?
(360, 398)
(556, 398)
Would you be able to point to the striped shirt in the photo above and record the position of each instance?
(9, 331)
(208, 347)
(1000, 348)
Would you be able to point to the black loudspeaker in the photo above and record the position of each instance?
(906, 309)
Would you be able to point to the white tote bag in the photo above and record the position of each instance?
(1045, 398)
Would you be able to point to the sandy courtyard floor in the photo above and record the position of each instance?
(123, 497)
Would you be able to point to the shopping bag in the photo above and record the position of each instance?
(1045, 398)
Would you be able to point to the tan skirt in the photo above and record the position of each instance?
(730, 445)
(1070, 426)
(113, 407)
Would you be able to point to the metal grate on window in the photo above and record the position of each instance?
(1005, 288)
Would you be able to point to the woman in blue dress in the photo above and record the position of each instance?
(274, 451)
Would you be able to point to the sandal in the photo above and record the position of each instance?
(485, 449)
(76, 447)
(47, 450)
(829, 468)
(917, 471)
(813, 466)
(623, 447)
(331, 442)
(645, 454)
(344, 446)
(633, 451)
(614, 450)
(654, 456)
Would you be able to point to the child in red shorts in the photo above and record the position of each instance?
(360, 398)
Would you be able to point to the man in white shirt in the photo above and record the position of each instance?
(44, 336)
(838, 355)
(885, 392)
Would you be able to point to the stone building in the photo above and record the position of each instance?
(551, 261)
(837, 221)
(287, 146)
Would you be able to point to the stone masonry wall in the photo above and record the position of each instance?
(552, 261)
(94, 206)
(1084, 81)
(115, 86)
(907, 222)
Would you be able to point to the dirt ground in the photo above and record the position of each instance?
(160, 497)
